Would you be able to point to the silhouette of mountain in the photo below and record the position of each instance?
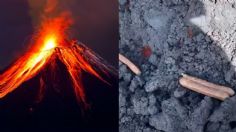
(54, 106)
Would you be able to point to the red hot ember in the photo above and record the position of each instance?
(146, 51)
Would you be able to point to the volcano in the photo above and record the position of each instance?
(62, 83)
(58, 82)
(75, 59)
(49, 45)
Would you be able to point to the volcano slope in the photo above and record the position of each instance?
(48, 100)
(186, 36)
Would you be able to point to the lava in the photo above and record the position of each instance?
(50, 44)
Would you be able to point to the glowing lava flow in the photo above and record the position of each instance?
(43, 54)
(23, 69)
(76, 58)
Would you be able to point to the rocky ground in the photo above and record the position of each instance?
(166, 38)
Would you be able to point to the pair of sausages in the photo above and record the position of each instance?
(206, 88)
(192, 83)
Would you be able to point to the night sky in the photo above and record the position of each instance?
(96, 25)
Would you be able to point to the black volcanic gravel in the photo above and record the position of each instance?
(186, 36)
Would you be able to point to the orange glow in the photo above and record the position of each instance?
(49, 44)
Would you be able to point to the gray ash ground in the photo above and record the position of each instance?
(197, 37)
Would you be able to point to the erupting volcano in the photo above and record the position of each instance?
(49, 45)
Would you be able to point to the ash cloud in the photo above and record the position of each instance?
(95, 22)
(47, 9)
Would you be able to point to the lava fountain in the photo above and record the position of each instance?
(48, 44)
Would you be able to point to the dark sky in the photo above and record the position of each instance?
(96, 25)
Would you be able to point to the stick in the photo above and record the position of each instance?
(131, 65)
(209, 84)
(197, 87)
